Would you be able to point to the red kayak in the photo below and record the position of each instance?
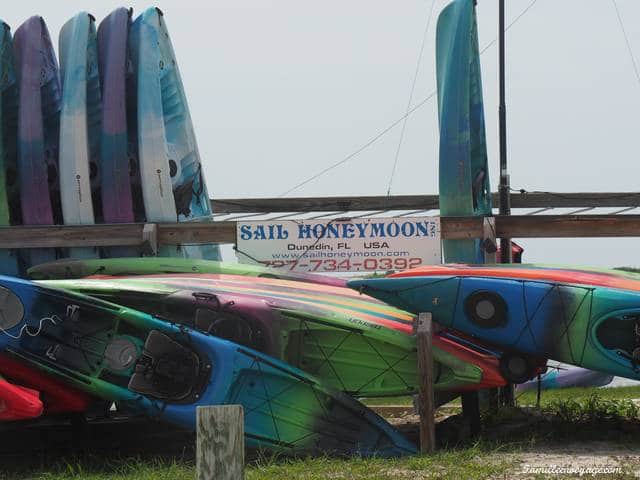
(490, 365)
(18, 403)
(56, 396)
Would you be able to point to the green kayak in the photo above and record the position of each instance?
(67, 268)
(359, 346)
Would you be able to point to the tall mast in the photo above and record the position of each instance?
(505, 203)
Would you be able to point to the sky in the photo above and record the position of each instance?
(279, 90)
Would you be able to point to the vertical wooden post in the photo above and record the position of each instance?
(489, 243)
(150, 239)
(425, 372)
(220, 443)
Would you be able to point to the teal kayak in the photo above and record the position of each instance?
(464, 174)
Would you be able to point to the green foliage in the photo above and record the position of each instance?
(578, 394)
(593, 409)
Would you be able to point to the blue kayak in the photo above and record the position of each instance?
(530, 314)
(166, 371)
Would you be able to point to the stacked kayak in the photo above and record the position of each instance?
(118, 163)
(105, 136)
(73, 268)
(173, 187)
(8, 144)
(357, 345)
(463, 174)
(55, 396)
(18, 403)
(165, 371)
(582, 317)
(566, 377)
(79, 124)
(39, 104)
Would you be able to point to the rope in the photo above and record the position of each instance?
(53, 319)
(413, 87)
(384, 131)
(626, 39)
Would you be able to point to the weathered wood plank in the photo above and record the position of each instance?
(325, 204)
(125, 234)
(514, 226)
(220, 442)
(426, 406)
(556, 226)
(194, 232)
(421, 202)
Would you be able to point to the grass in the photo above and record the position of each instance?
(566, 412)
(475, 462)
(94, 468)
(529, 398)
(404, 400)
(579, 394)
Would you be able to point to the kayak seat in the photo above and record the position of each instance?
(166, 370)
(619, 333)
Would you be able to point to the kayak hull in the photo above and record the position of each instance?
(359, 346)
(545, 313)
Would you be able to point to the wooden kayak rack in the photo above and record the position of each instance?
(585, 220)
(534, 215)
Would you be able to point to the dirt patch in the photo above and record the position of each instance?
(592, 459)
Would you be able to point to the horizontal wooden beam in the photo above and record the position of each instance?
(51, 236)
(135, 234)
(573, 200)
(568, 226)
(325, 204)
(420, 202)
(545, 226)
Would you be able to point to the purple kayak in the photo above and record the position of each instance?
(40, 102)
(118, 160)
(569, 377)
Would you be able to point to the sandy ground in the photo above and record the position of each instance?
(588, 459)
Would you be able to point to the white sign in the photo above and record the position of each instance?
(353, 245)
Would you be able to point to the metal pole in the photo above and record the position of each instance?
(508, 396)
(505, 206)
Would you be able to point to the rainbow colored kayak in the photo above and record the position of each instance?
(68, 268)
(580, 316)
(356, 344)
